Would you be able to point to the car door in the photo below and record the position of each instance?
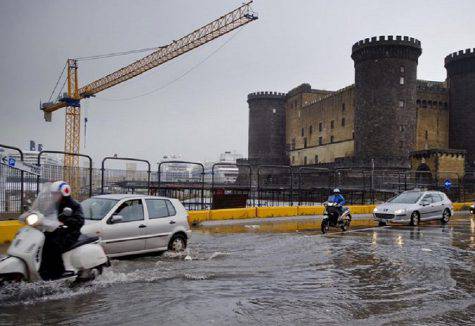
(160, 223)
(438, 205)
(425, 208)
(126, 235)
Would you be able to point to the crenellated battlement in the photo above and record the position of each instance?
(462, 54)
(265, 95)
(386, 40)
(335, 93)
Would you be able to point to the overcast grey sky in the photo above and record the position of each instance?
(205, 112)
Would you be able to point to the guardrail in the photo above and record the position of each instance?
(199, 186)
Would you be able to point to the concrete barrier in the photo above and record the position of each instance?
(309, 210)
(8, 229)
(195, 217)
(277, 211)
(232, 213)
(462, 206)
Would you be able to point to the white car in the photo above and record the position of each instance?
(413, 206)
(136, 224)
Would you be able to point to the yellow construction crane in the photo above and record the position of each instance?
(71, 99)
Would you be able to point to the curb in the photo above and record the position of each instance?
(196, 217)
(8, 229)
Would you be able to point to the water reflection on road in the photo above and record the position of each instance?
(383, 275)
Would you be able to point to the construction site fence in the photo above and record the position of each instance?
(198, 185)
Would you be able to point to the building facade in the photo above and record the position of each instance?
(386, 116)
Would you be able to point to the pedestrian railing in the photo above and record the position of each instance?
(220, 185)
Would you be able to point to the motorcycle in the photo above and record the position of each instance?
(83, 261)
(332, 217)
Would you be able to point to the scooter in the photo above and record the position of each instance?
(83, 261)
(331, 217)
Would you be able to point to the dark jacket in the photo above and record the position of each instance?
(76, 220)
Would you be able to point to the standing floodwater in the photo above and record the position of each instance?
(372, 276)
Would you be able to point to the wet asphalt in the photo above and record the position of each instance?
(274, 276)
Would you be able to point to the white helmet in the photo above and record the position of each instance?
(336, 191)
(62, 187)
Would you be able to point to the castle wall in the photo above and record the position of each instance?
(322, 154)
(316, 128)
(461, 82)
(432, 129)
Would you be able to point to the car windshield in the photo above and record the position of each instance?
(406, 198)
(97, 208)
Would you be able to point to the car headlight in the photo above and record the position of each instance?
(375, 210)
(32, 219)
(399, 211)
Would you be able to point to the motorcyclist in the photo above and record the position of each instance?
(338, 198)
(58, 241)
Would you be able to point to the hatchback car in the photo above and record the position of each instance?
(136, 224)
(412, 207)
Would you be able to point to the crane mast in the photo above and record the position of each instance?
(71, 100)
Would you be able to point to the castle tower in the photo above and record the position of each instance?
(266, 128)
(385, 81)
(461, 83)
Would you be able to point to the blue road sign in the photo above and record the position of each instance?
(11, 162)
(447, 184)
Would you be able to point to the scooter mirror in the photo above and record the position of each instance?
(67, 211)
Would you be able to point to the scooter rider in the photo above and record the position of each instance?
(65, 236)
(338, 198)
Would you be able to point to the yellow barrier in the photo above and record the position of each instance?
(362, 209)
(309, 210)
(461, 206)
(276, 211)
(198, 216)
(233, 213)
(8, 229)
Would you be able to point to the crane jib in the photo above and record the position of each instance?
(223, 25)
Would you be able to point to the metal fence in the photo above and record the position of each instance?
(223, 184)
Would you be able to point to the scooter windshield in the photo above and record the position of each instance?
(45, 203)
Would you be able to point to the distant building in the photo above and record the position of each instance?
(225, 169)
(173, 171)
(31, 157)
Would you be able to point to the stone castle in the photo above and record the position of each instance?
(388, 118)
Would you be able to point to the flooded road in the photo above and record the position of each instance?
(388, 275)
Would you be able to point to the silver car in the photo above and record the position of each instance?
(412, 207)
(136, 224)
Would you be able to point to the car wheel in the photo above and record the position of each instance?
(177, 243)
(445, 216)
(415, 219)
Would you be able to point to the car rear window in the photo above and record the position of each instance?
(158, 208)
